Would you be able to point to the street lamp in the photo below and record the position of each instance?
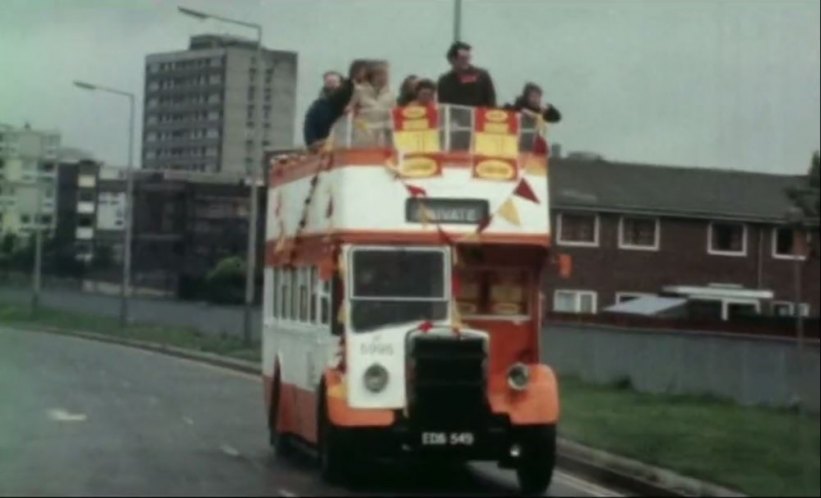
(125, 287)
(252, 170)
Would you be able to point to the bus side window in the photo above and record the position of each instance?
(284, 299)
(275, 293)
(336, 298)
(313, 294)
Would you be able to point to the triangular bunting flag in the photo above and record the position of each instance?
(415, 191)
(524, 191)
(280, 244)
(509, 212)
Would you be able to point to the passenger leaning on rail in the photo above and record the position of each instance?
(531, 100)
(465, 84)
(372, 103)
(324, 112)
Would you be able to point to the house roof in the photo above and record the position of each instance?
(600, 185)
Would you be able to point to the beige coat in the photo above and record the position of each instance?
(372, 109)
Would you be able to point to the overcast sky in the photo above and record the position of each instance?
(728, 84)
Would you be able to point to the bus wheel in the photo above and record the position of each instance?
(332, 463)
(280, 442)
(538, 458)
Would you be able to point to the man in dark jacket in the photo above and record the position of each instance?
(465, 84)
(325, 110)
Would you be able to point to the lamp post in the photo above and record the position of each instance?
(252, 170)
(125, 286)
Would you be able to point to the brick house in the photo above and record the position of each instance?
(635, 229)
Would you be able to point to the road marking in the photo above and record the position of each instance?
(229, 450)
(60, 415)
(286, 493)
(585, 486)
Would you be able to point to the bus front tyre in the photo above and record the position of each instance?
(280, 441)
(535, 469)
(332, 459)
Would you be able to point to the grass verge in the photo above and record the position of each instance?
(181, 337)
(761, 452)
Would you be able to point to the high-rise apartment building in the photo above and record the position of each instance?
(201, 110)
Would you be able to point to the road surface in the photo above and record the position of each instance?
(79, 417)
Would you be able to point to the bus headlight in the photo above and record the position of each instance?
(518, 376)
(375, 378)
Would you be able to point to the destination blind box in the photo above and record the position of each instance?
(457, 211)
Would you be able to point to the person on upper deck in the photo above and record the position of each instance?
(424, 93)
(531, 100)
(373, 96)
(324, 112)
(465, 84)
(331, 80)
(407, 90)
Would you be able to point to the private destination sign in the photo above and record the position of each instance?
(462, 211)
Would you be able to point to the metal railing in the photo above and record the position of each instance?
(369, 128)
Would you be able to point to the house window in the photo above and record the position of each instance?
(727, 239)
(294, 304)
(574, 301)
(576, 229)
(303, 294)
(623, 297)
(639, 233)
(787, 309)
(787, 244)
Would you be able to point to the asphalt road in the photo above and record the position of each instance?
(79, 417)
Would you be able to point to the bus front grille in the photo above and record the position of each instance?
(447, 380)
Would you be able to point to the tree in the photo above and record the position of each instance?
(225, 282)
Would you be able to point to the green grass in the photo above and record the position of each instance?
(181, 337)
(761, 452)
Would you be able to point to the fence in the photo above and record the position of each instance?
(751, 370)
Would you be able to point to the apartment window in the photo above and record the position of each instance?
(578, 229)
(623, 297)
(639, 233)
(787, 309)
(25, 219)
(574, 301)
(787, 244)
(45, 219)
(727, 239)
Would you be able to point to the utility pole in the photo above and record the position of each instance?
(38, 247)
(457, 20)
(252, 170)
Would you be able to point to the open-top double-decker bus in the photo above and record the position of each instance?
(402, 307)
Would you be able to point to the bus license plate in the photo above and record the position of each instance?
(447, 439)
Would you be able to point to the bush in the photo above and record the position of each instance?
(225, 284)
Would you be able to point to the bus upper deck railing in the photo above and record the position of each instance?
(365, 129)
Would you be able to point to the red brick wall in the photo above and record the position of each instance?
(682, 259)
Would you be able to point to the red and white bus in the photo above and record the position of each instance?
(401, 306)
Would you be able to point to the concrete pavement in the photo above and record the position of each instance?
(79, 417)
